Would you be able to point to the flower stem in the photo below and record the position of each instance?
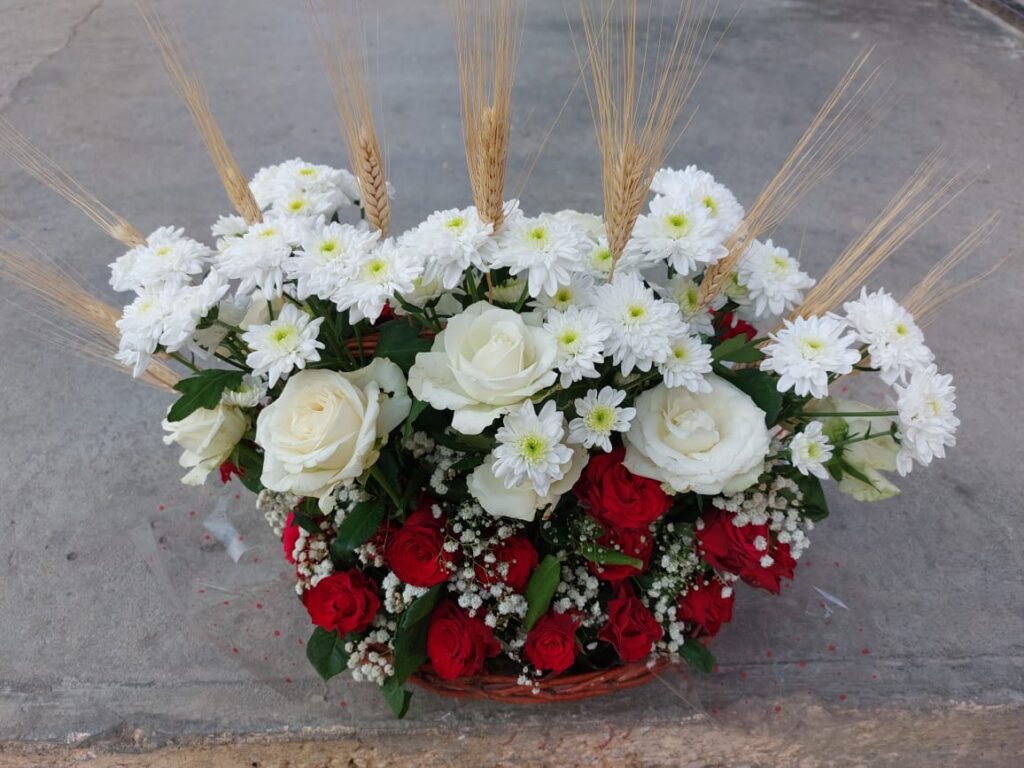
(184, 361)
(377, 475)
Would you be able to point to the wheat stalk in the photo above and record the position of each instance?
(87, 325)
(921, 198)
(34, 162)
(487, 39)
(636, 99)
(933, 291)
(174, 56)
(342, 44)
(842, 125)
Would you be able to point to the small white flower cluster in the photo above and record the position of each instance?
(671, 576)
(312, 555)
(399, 596)
(775, 502)
(276, 507)
(371, 659)
(578, 591)
(298, 188)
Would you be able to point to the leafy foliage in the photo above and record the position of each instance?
(326, 652)
(203, 390)
(541, 589)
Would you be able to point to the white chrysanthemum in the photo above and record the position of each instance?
(248, 394)
(547, 248)
(807, 350)
(450, 242)
(530, 446)
(773, 280)
(685, 292)
(300, 201)
(576, 293)
(270, 185)
(642, 326)
(375, 278)
(327, 256)
(226, 228)
(590, 224)
(284, 344)
(258, 258)
(580, 335)
(927, 424)
(894, 340)
(166, 315)
(810, 450)
(598, 415)
(687, 363)
(678, 232)
(597, 258)
(700, 187)
(167, 256)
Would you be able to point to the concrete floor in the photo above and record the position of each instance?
(122, 622)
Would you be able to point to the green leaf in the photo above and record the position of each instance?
(202, 391)
(358, 526)
(250, 461)
(541, 589)
(737, 350)
(410, 641)
(815, 505)
(418, 406)
(400, 342)
(762, 389)
(326, 652)
(396, 696)
(697, 655)
(604, 556)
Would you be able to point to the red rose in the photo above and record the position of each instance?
(631, 629)
(228, 470)
(551, 644)
(618, 498)
(519, 555)
(415, 552)
(708, 605)
(345, 601)
(747, 550)
(289, 536)
(633, 543)
(733, 326)
(458, 644)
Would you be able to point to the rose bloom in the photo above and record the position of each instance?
(631, 629)
(618, 498)
(551, 644)
(522, 501)
(630, 542)
(708, 442)
(519, 555)
(708, 605)
(323, 431)
(344, 602)
(484, 362)
(458, 644)
(734, 549)
(415, 552)
(208, 436)
(289, 536)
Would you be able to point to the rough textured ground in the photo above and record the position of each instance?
(124, 621)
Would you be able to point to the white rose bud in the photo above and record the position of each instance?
(326, 428)
(707, 442)
(485, 362)
(208, 436)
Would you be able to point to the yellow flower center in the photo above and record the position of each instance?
(711, 205)
(601, 419)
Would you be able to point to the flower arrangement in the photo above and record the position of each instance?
(533, 447)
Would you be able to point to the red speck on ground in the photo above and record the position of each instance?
(301, 641)
(206, 537)
(842, 697)
(201, 591)
(743, 675)
(715, 669)
(238, 496)
(831, 648)
(192, 513)
(874, 677)
(259, 606)
(227, 602)
(234, 650)
(714, 711)
(277, 633)
(162, 507)
(778, 708)
(803, 664)
(865, 652)
(836, 563)
(287, 679)
(769, 654)
(342, 703)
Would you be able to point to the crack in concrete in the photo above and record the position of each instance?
(7, 99)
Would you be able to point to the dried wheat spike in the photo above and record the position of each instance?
(841, 126)
(36, 163)
(174, 56)
(341, 39)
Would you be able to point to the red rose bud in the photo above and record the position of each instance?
(631, 629)
(415, 552)
(515, 559)
(229, 469)
(632, 543)
(458, 644)
(733, 326)
(708, 605)
(748, 551)
(289, 536)
(618, 498)
(551, 644)
(343, 602)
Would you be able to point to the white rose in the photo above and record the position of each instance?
(325, 429)
(708, 442)
(208, 437)
(869, 457)
(486, 361)
(521, 502)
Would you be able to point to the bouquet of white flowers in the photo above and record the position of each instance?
(515, 455)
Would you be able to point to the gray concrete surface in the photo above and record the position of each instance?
(118, 613)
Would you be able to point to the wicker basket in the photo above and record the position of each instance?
(505, 688)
